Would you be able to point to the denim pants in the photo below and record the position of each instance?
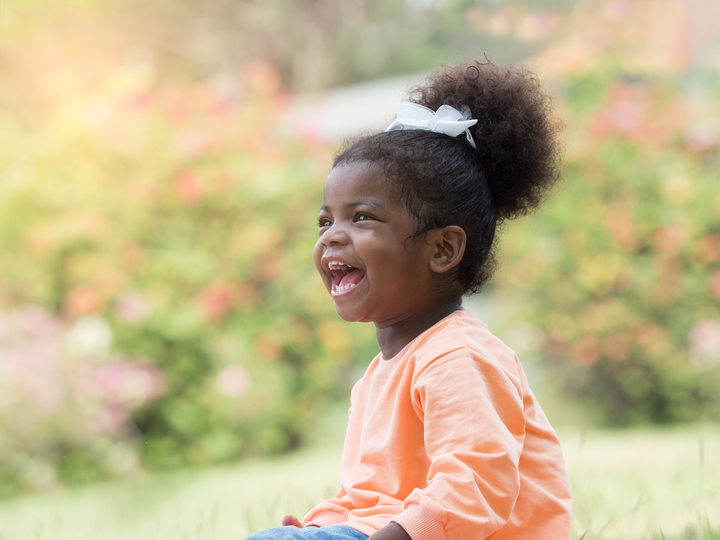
(331, 532)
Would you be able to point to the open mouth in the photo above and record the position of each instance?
(344, 277)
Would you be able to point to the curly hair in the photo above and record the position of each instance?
(445, 181)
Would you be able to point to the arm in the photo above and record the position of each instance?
(328, 512)
(331, 511)
(474, 430)
(391, 531)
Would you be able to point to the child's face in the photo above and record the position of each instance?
(372, 268)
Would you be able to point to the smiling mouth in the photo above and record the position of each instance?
(344, 277)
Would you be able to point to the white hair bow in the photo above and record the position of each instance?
(446, 119)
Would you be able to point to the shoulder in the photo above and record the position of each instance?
(461, 364)
(461, 349)
(369, 372)
(461, 335)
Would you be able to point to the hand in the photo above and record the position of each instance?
(291, 521)
(391, 531)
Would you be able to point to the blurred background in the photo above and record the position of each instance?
(161, 169)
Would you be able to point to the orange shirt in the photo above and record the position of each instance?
(447, 440)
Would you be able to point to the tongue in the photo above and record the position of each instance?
(352, 278)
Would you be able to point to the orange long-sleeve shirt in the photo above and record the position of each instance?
(447, 440)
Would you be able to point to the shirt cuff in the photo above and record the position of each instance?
(325, 518)
(420, 524)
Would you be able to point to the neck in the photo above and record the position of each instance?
(393, 338)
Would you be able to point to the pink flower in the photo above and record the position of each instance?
(586, 351)
(108, 419)
(126, 382)
(232, 381)
(216, 300)
(51, 373)
(704, 340)
(189, 188)
(132, 308)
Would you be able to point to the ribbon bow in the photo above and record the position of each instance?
(446, 119)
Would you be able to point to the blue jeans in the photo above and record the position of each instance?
(331, 532)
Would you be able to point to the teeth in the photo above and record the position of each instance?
(343, 288)
(338, 266)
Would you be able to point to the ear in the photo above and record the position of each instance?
(448, 245)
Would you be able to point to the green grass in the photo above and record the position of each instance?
(635, 485)
(220, 503)
(645, 483)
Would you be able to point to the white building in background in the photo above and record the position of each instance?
(667, 35)
(337, 113)
(704, 33)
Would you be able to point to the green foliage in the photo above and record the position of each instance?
(622, 268)
(158, 303)
(178, 220)
(314, 44)
(623, 265)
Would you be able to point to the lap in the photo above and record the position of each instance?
(332, 532)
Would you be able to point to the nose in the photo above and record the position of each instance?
(334, 234)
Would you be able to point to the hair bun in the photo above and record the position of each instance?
(517, 134)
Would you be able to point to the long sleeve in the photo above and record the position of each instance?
(447, 440)
(330, 511)
(474, 429)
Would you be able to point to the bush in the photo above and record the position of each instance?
(178, 218)
(623, 266)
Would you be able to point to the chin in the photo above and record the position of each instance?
(348, 315)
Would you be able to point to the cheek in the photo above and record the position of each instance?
(317, 254)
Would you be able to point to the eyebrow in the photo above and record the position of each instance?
(372, 202)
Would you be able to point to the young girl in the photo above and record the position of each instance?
(445, 440)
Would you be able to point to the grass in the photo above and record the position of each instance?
(635, 485)
(220, 503)
(645, 484)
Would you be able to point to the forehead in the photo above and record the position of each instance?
(358, 181)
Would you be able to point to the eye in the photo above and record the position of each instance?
(324, 222)
(364, 217)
